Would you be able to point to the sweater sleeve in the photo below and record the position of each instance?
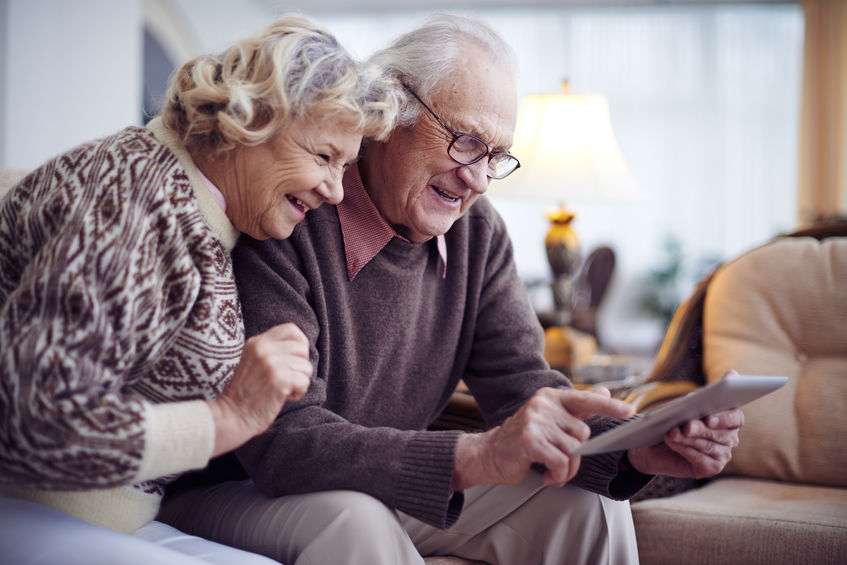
(96, 283)
(180, 436)
(507, 364)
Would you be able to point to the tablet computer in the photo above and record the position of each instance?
(731, 391)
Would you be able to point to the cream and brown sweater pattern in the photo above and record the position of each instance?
(118, 316)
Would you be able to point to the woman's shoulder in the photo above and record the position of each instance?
(115, 159)
(117, 190)
(132, 157)
(126, 169)
(124, 147)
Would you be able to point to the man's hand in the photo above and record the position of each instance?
(543, 431)
(274, 368)
(698, 449)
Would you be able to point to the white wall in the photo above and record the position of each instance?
(704, 101)
(71, 73)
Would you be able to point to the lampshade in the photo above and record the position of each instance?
(567, 151)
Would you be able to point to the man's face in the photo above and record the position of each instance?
(412, 180)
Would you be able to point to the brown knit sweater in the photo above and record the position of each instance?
(118, 316)
(389, 348)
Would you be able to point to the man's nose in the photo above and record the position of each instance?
(475, 175)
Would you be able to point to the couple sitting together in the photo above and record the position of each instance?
(196, 294)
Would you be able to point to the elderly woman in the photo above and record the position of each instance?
(122, 352)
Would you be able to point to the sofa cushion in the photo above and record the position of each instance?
(744, 521)
(9, 177)
(781, 309)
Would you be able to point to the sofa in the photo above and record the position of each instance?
(8, 178)
(779, 309)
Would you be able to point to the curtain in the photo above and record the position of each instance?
(705, 106)
(823, 153)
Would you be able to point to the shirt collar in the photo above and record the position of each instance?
(363, 228)
(216, 192)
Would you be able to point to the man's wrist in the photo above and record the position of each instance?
(626, 464)
(467, 464)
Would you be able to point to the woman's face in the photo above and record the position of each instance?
(272, 186)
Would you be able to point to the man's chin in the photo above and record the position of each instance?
(431, 225)
(439, 229)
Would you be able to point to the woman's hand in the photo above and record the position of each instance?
(274, 368)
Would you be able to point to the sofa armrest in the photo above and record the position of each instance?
(9, 177)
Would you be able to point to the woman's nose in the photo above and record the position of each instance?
(332, 189)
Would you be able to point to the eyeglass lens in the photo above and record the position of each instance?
(468, 149)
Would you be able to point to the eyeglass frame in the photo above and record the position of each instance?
(457, 135)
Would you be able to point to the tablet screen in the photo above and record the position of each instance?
(649, 429)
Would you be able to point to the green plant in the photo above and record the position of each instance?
(667, 284)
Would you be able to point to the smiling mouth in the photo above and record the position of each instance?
(445, 195)
(299, 203)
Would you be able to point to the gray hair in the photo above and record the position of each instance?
(292, 68)
(423, 57)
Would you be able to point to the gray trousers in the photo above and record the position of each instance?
(522, 524)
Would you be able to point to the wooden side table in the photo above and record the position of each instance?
(567, 349)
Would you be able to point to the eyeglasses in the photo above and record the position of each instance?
(467, 149)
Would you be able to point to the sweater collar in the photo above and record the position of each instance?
(363, 228)
(209, 208)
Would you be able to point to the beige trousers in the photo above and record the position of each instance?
(522, 524)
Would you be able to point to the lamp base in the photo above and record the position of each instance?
(563, 254)
(563, 299)
(561, 243)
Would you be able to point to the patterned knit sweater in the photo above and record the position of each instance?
(118, 317)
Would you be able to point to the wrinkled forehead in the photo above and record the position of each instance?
(480, 98)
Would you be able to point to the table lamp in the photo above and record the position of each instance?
(568, 152)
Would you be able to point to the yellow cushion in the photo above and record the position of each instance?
(781, 309)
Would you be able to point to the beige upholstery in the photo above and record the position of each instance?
(780, 309)
(744, 521)
(8, 178)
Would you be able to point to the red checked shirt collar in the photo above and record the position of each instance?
(364, 229)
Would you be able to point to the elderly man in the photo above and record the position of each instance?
(403, 289)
